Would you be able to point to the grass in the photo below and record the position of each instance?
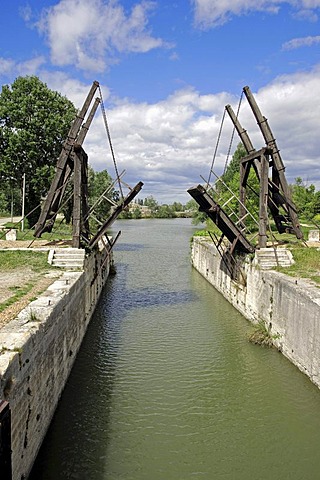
(307, 260)
(19, 293)
(262, 335)
(307, 264)
(15, 259)
(60, 231)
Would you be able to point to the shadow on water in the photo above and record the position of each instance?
(130, 247)
(90, 385)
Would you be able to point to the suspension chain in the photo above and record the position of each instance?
(232, 136)
(110, 142)
(216, 148)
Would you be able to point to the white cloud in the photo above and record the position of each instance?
(293, 115)
(210, 13)
(9, 67)
(301, 42)
(169, 144)
(90, 35)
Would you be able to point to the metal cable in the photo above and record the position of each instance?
(232, 135)
(110, 142)
(216, 148)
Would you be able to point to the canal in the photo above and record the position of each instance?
(166, 385)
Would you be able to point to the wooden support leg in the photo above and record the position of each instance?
(76, 221)
(263, 201)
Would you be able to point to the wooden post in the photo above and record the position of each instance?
(85, 127)
(54, 194)
(263, 201)
(243, 191)
(243, 134)
(76, 220)
(277, 160)
(84, 216)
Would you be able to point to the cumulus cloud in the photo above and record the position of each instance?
(9, 67)
(211, 13)
(169, 144)
(90, 35)
(301, 42)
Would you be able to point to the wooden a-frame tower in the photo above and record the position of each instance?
(274, 192)
(74, 160)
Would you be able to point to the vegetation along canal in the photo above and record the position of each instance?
(167, 387)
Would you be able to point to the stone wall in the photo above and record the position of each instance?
(290, 307)
(37, 351)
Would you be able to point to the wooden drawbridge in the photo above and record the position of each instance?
(216, 213)
(73, 161)
(274, 193)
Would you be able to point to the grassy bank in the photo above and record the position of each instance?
(307, 264)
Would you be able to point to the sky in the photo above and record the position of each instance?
(166, 70)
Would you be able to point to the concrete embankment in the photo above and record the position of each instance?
(289, 307)
(37, 351)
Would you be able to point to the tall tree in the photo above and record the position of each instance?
(306, 198)
(100, 190)
(231, 178)
(34, 122)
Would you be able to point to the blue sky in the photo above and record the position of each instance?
(167, 69)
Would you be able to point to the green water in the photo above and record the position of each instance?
(167, 387)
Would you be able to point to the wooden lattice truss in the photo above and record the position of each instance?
(274, 192)
(74, 160)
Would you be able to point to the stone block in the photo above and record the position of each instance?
(11, 235)
(314, 236)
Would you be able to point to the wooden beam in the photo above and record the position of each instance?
(84, 224)
(263, 202)
(76, 215)
(277, 160)
(221, 219)
(57, 182)
(114, 215)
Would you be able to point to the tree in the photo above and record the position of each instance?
(100, 190)
(197, 217)
(165, 211)
(150, 202)
(177, 207)
(231, 178)
(34, 122)
(136, 213)
(306, 198)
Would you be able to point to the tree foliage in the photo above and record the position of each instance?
(230, 186)
(306, 199)
(100, 190)
(34, 122)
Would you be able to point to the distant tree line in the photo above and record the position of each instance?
(150, 208)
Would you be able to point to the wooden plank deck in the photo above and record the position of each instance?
(206, 204)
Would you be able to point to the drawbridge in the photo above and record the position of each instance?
(72, 169)
(233, 216)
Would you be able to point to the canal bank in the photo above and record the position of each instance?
(37, 351)
(289, 308)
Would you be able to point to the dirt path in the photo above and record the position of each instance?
(21, 277)
(41, 283)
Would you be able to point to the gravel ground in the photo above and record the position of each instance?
(21, 277)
